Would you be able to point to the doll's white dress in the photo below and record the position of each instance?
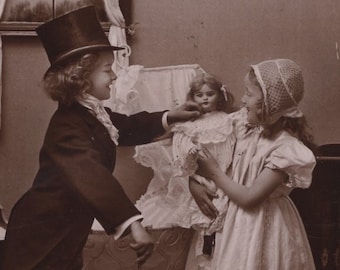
(270, 236)
(168, 201)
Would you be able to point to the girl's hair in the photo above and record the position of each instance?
(297, 127)
(214, 84)
(63, 83)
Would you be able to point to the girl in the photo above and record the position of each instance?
(174, 206)
(262, 228)
(49, 225)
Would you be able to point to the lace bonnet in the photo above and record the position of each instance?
(282, 85)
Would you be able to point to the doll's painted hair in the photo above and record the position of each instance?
(297, 127)
(214, 84)
(65, 82)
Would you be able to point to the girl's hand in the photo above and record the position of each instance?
(207, 165)
(188, 111)
(203, 197)
(144, 244)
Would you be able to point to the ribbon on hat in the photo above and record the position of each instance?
(263, 86)
(293, 112)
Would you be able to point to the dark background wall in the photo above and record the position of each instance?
(223, 36)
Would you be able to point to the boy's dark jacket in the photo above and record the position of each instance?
(74, 184)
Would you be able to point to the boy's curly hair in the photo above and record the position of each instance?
(63, 83)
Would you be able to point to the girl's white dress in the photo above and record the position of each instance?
(168, 201)
(270, 236)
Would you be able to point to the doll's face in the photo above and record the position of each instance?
(207, 98)
(102, 76)
(252, 100)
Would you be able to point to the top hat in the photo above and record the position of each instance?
(73, 33)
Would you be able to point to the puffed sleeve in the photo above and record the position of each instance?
(295, 159)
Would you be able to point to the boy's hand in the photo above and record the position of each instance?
(144, 244)
(187, 111)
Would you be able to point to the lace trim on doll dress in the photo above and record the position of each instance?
(211, 128)
(215, 132)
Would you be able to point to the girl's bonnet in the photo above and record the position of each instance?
(282, 84)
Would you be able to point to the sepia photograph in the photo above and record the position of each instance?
(169, 135)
